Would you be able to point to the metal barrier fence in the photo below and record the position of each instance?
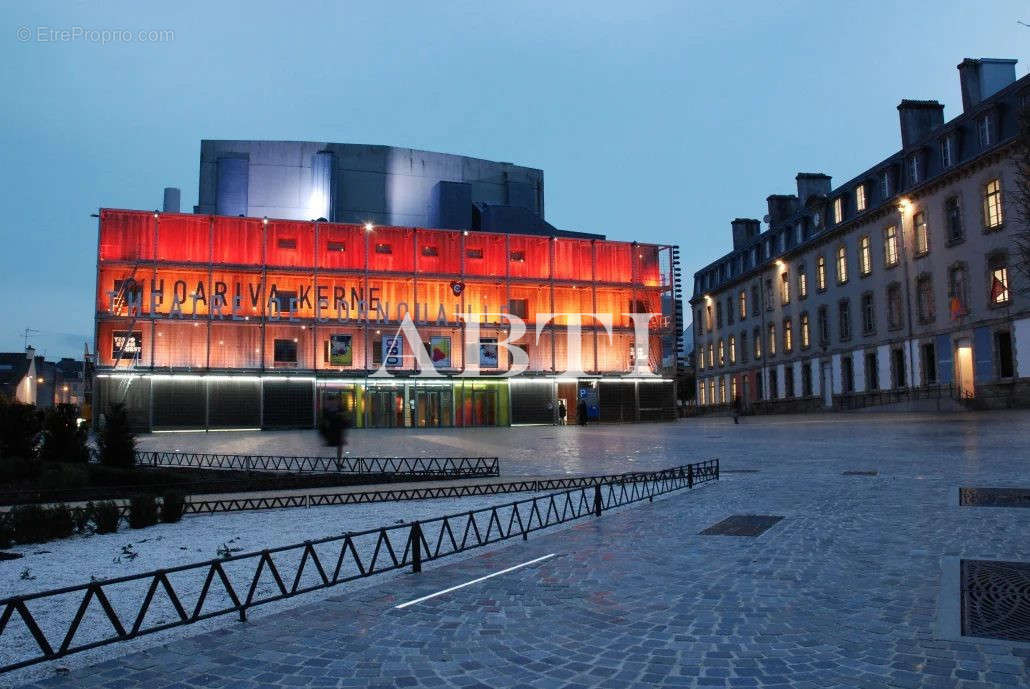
(445, 467)
(319, 564)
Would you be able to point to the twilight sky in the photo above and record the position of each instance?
(655, 121)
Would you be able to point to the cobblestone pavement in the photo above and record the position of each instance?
(843, 592)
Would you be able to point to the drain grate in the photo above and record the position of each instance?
(996, 599)
(742, 525)
(994, 497)
(859, 473)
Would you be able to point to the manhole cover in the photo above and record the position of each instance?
(996, 599)
(742, 525)
(994, 497)
(860, 473)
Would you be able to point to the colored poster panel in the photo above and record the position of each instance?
(392, 345)
(440, 351)
(341, 350)
(126, 345)
(488, 352)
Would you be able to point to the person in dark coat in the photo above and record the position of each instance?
(581, 413)
(738, 407)
(563, 411)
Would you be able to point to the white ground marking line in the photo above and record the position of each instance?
(474, 581)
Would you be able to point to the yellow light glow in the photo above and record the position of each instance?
(904, 205)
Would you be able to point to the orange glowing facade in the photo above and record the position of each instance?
(197, 315)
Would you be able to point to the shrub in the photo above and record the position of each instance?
(116, 440)
(142, 511)
(82, 517)
(37, 524)
(172, 505)
(19, 429)
(63, 439)
(106, 516)
(6, 532)
(13, 469)
(55, 476)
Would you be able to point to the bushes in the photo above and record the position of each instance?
(106, 516)
(38, 524)
(19, 429)
(59, 476)
(142, 511)
(63, 439)
(172, 505)
(14, 469)
(116, 440)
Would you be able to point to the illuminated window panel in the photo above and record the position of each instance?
(391, 249)
(586, 351)
(485, 298)
(340, 347)
(573, 300)
(290, 243)
(390, 296)
(530, 299)
(538, 352)
(180, 345)
(237, 240)
(613, 262)
(190, 289)
(235, 345)
(341, 247)
(485, 254)
(111, 338)
(286, 288)
(126, 236)
(184, 238)
(434, 294)
(529, 257)
(438, 252)
(615, 355)
(573, 259)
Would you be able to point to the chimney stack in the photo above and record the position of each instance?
(781, 207)
(744, 230)
(983, 77)
(172, 198)
(918, 118)
(812, 184)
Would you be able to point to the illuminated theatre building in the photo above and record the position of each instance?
(217, 322)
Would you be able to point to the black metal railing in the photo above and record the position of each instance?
(444, 467)
(875, 398)
(165, 598)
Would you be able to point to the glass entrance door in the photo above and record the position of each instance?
(433, 408)
(484, 408)
(386, 408)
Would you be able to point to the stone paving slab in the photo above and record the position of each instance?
(843, 592)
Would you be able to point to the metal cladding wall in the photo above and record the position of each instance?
(133, 392)
(618, 401)
(288, 404)
(234, 403)
(657, 400)
(178, 403)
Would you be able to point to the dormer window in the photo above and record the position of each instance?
(838, 209)
(860, 202)
(886, 184)
(915, 168)
(985, 129)
(947, 151)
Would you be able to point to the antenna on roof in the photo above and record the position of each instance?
(26, 333)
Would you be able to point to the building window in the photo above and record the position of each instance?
(865, 255)
(806, 379)
(722, 353)
(872, 371)
(842, 264)
(733, 350)
(743, 304)
(860, 198)
(772, 339)
(922, 236)
(820, 273)
(824, 326)
(519, 307)
(718, 314)
(788, 336)
(711, 391)
(844, 317)
(890, 246)
(894, 317)
(733, 389)
(914, 168)
(998, 267)
(709, 321)
(868, 314)
(805, 340)
(886, 187)
(286, 243)
(928, 358)
(768, 294)
(711, 356)
(838, 209)
(785, 287)
(729, 310)
(924, 298)
(788, 380)
(520, 257)
(992, 205)
(336, 247)
(754, 300)
(758, 343)
(847, 374)
(743, 347)
(958, 291)
(700, 322)
(953, 218)
(384, 248)
(947, 151)
(478, 253)
(722, 389)
(774, 388)
(285, 351)
(802, 282)
(1003, 346)
(985, 130)
(701, 393)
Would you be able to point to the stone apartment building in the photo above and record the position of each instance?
(902, 278)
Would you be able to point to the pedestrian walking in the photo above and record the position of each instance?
(563, 411)
(737, 406)
(581, 413)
